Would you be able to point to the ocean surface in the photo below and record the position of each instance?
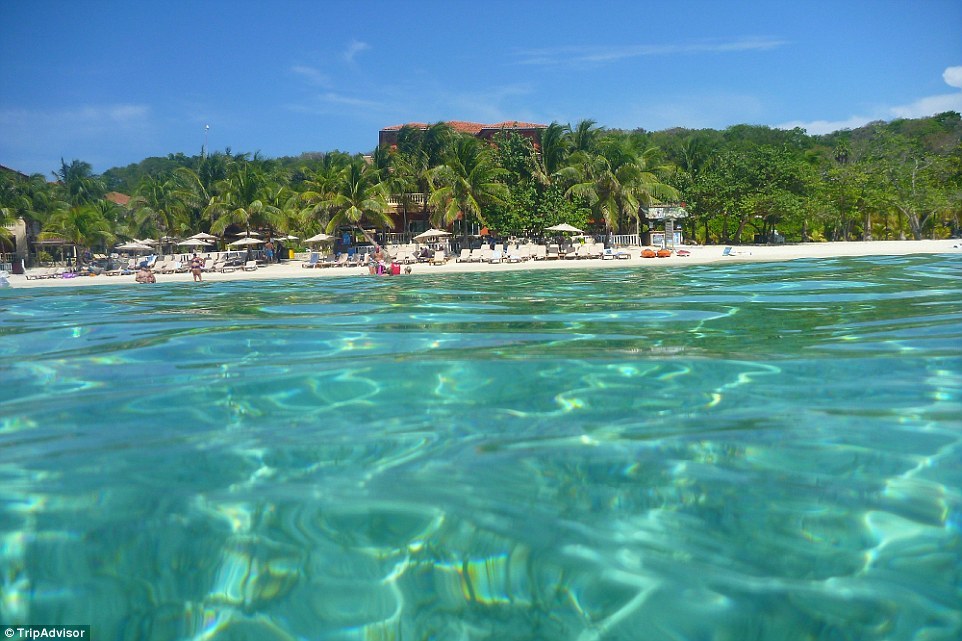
(732, 452)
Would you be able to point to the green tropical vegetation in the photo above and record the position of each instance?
(887, 180)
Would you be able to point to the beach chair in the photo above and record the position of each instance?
(312, 261)
(515, 255)
(552, 252)
(250, 266)
(439, 258)
(465, 256)
(39, 274)
(728, 252)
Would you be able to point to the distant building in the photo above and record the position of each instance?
(16, 248)
(668, 217)
(117, 198)
(530, 130)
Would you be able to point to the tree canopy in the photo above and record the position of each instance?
(885, 180)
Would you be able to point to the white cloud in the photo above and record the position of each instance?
(353, 49)
(74, 123)
(331, 102)
(604, 54)
(953, 77)
(313, 76)
(921, 108)
(32, 140)
(931, 105)
(820, 127)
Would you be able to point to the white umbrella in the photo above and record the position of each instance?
(202, 236)
(288, 237)
(246, 241)
(132, 247)
(248, 234)
(194, 242)
(565, 227)
(147, 241)
(319, 238)
(432, 233)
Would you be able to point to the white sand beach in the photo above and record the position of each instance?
(699, 255)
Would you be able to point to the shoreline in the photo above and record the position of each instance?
(699, 255)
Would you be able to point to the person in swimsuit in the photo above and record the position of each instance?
(196, 267)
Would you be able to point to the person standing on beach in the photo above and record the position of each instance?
(197, 268)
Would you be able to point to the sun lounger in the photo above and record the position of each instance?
(439, 258)
(250, 266)
(465, 256)
(40, 274)
(312, 262)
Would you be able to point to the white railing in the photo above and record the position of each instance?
(624, 240)
(414, 198)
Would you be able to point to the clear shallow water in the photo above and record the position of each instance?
(735, 452)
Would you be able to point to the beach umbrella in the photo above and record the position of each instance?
(565, 227)
(319, 238)
(288, 237)
(248, 234)
(203, 236)
(134, 246)
(246, 241)
(432, 233)
(194, 242)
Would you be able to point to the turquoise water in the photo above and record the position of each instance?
(728, 453)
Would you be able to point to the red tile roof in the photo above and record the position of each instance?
(473, 128)
(117, 197)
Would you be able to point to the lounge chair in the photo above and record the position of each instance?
(39, 274)
(728, 252)
(250, 266)
(465, 256)
(439, 258)
(312, 262)
(516, 255)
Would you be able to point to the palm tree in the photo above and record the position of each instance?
(320, 188)
(83, 225)
(242, 200)
(585, 136)
(617, 181)
(358, 196)
(554, 148)
(159, 206)
(465, 183)
(79, 181)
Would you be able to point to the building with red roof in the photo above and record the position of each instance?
(530, 130)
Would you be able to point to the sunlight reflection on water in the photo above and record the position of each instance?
(726, 452)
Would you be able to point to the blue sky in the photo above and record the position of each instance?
(112, 83)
